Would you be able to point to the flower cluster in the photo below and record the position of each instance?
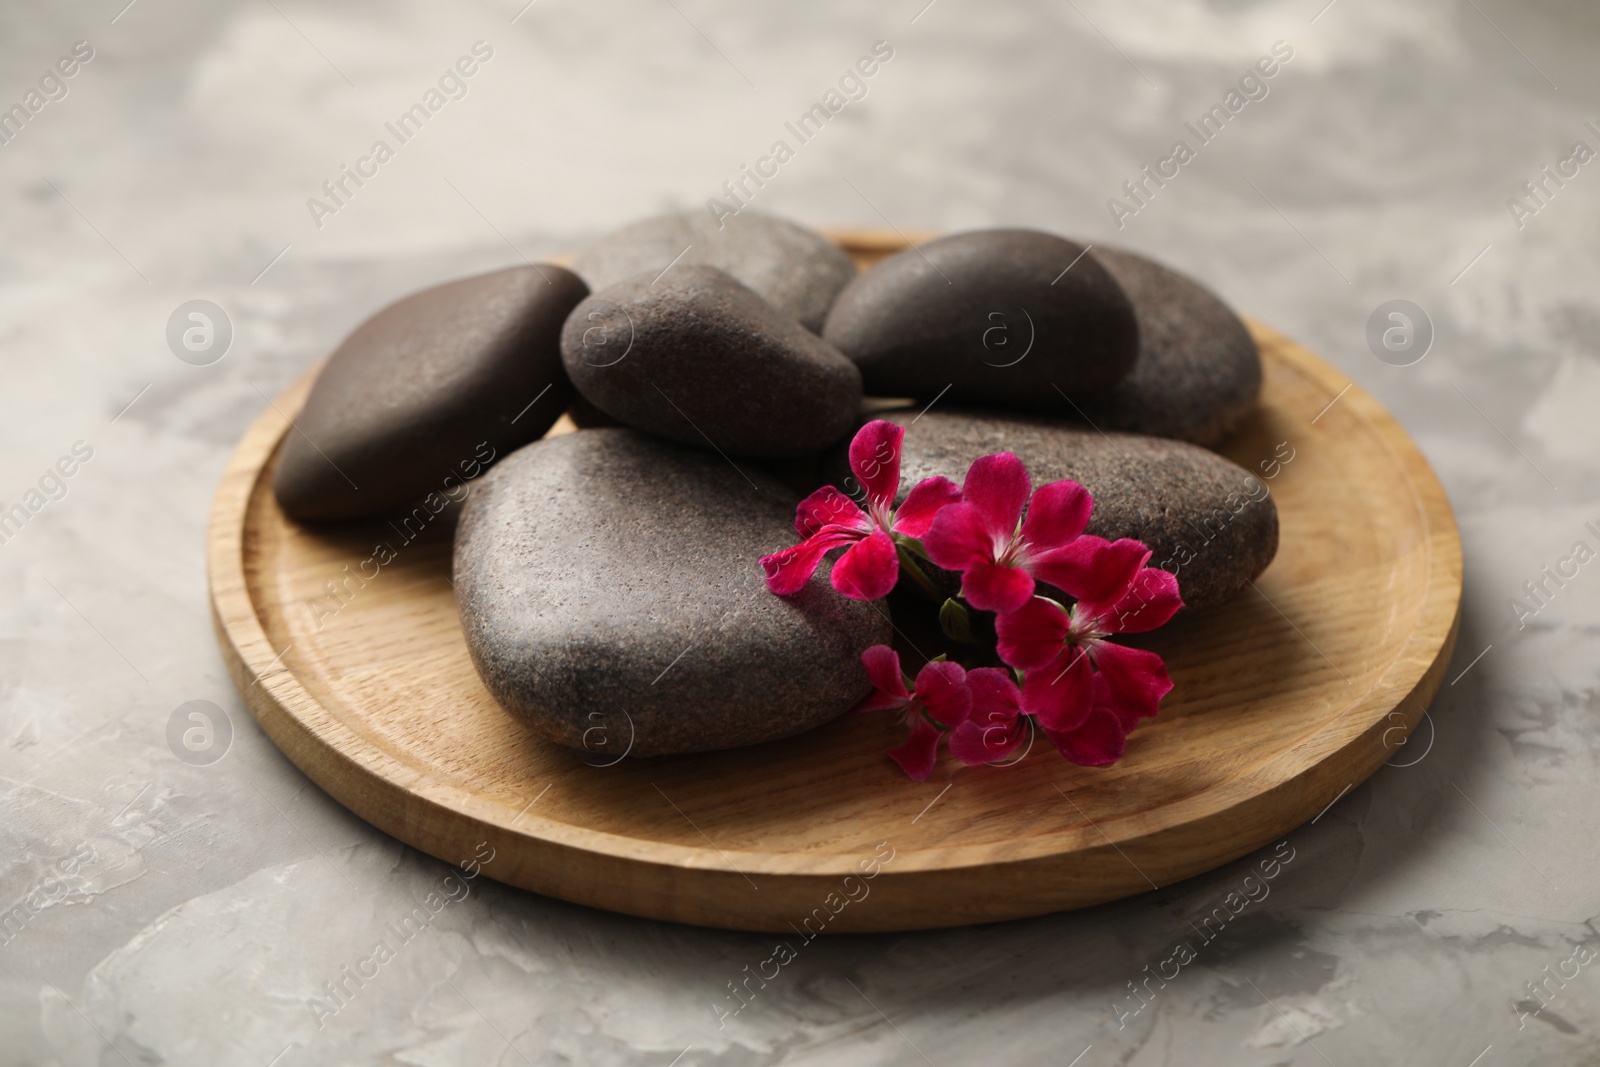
(1054, 668)
(828, 519)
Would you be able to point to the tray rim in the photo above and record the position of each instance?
(396, 797)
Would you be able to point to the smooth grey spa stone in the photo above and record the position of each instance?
(611, 595)
(1205, 519)
(1013, 318)
(1198, 372)
(698, 358)
(425, 392)
(796, 270)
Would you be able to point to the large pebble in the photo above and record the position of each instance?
(427, 391)
(611, 595)
(996, 316)
(1206, 519)
(696, 357)
(1198, 371)
(796, 270)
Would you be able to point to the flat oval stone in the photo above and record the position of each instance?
(428, 391)
(611, 595)
(698, 358)
(796, 270)
(1008, 317)
(1198, 372)
(1206, 519)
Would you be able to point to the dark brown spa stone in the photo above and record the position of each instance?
(425, 388)
(1014, 318)
(611, 596)
(698, 358)
(1198, 372)
(796, 270)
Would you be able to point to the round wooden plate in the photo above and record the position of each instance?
(1284, 699)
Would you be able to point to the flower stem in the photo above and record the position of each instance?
(908, 563)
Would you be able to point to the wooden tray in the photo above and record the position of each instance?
(1284, 699)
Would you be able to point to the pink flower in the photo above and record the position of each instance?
(828, 519)
(1073, 673)
(1102, 737)
(998, 552)
(996, 727)
(939, 700)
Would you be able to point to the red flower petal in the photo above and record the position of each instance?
(875, 459)
(1152, 598)
(919, 752)
(942, 689)
(1057, 513)
(1031, 636)
(1135, 681)
(958, 536)
(975, 742)
(990, 587)
(994, 728)
(1109, 575)
(883, 671)
(1098, 741)
(828, 507)
(993, 692)
(877, 700)
(1069, 567)
(923, 504)
(997, 486)
(1059, 694)
(789, 569)
(868, 569)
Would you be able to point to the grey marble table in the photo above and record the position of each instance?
(165, 910)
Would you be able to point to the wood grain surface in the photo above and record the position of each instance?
(1283, 700)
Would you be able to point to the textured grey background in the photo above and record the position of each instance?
(208, 903)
